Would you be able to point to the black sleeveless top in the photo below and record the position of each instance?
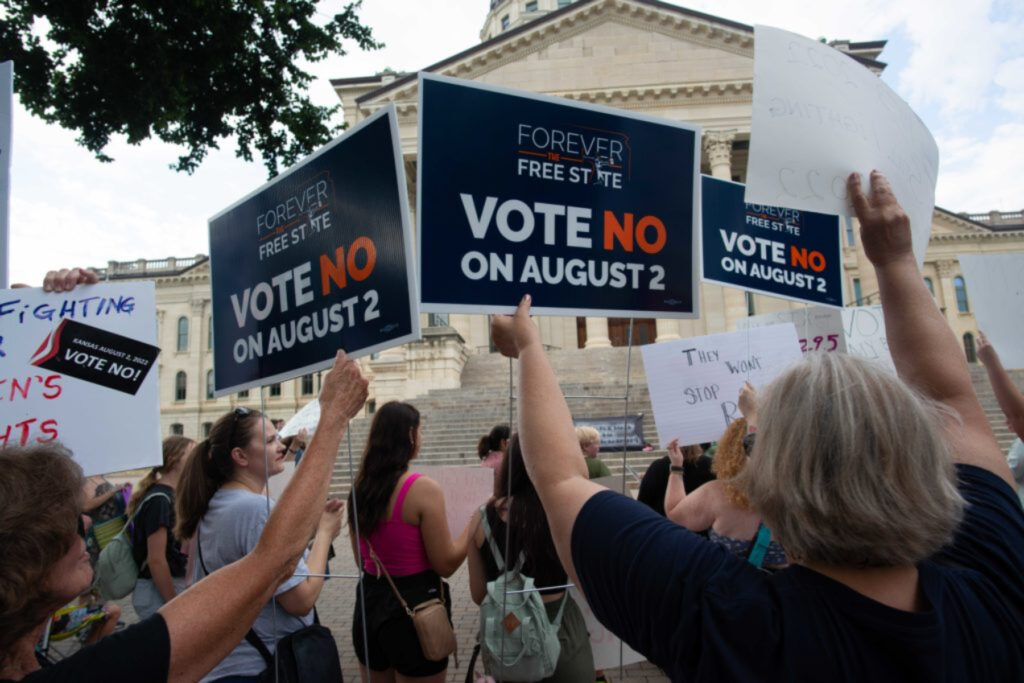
(544, 574)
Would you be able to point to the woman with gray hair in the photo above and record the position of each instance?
(862, 477)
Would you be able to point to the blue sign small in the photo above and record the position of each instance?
(769, 249)
(318, 259)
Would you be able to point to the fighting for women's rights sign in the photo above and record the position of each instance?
(318, 259)
(6, 110)
(695, 383)
(773, 250)
(590, 210)
(81, 364)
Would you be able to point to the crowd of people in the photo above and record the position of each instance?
(853, 525)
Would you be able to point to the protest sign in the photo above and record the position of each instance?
(782, 252)
(79, 368)
(465, 490)
(694, 383)
(315, 260)
(6, 117)
(864, 328)
(817, 328)
(603, 642)
(610, 429)
(591, 210)
(995, 287)
(817, 116)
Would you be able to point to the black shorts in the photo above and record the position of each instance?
(393, 643)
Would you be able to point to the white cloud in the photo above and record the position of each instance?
(983, 173)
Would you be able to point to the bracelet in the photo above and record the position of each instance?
(676, 468)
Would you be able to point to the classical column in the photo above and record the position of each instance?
(597, 334)
(946, 292)
(668, 329)
(718, 147)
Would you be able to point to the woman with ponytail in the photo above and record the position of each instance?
(222, 505)
(403, 530)
(491, 448)
(156, 550)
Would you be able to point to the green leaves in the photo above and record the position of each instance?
(188, 72)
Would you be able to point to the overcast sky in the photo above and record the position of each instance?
(959, 64)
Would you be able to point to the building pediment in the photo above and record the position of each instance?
(947, 223)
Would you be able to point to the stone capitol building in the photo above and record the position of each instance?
(639, 55)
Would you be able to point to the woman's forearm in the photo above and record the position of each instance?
(160, 572)
(675, 493)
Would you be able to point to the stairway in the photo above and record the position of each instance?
(455, 419)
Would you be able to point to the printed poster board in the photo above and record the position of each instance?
(81, 368)
(787, 253)
(316, 260)
(610, 429)
(591, 210)
(694, 383)
(819, 115)
(995, 291)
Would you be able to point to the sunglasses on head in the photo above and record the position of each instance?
(236, 414)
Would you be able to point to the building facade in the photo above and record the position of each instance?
(640, 55)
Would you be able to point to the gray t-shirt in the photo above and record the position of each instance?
(228, 531)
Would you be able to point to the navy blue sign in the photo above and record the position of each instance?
(782, 252)
(316, 260)
(590, 210)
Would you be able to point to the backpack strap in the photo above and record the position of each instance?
(128, 525)
(557, 623)
(498, 559)
(759, 546)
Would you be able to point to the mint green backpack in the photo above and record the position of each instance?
(517, 643)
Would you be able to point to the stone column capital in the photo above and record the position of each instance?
(946, 267)
(717, 146)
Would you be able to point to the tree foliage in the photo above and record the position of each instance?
(189, 72)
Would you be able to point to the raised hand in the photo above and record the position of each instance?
(748, 403)
(675, 454)
(330, 520)
(66, 279)
(884, 225)
(344, 389)
(514, 333)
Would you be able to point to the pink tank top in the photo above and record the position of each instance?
(399, 544)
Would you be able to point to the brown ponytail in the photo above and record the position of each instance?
(174, 449)
(209, 467)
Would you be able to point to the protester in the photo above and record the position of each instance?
(105, 507)
(295, 445)
(402, 527)
(1011, 401)
(492, 447)
(221, 504)
(155, 549)
(696, 472)
(44, 564)
(590, 443)
(904, 568)
(519, 515)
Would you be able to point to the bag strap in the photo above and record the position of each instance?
(381, 568)
(250, 635)
(128, 525)
(498, 559)
(759, 546)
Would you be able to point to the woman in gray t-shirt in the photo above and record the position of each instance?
(222, 505)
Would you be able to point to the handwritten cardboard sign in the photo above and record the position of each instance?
(78, 368)
(694, 383)
(465, 490)
(995, 289)
(817, 327)
(6, 110)
(817, 116)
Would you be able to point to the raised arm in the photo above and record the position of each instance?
(208, 620)
(688, 510)
(550, 449)
(1011, 401)
(926, 354)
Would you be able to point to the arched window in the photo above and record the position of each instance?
(961, 294)
(929, 285)
(209, 384)
(972, 356)
(183, 333)
(179, 385)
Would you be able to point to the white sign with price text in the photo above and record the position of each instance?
(817, 116)
(694, 383)
(995, 287)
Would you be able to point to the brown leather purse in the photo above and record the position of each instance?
(429, 618)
